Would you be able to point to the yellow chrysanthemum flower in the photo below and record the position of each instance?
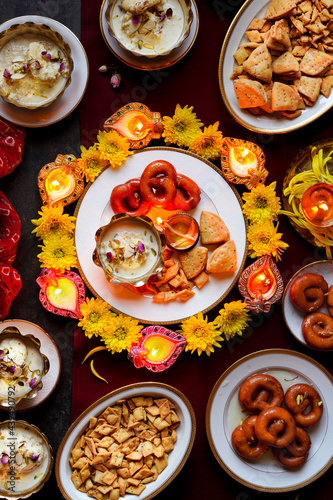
(182, 128)
(233, 319)
(265, 240)
(58, 253)
(113, 148)
(96, 317)
(261, 203)
(90, 163)
(208, 143)
(122, 332)
(200, 334)
(53, 222)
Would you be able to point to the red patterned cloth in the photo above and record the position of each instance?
(10, 285)
(10, 230)
(11, 146)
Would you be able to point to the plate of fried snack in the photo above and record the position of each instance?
(268, 420)
(281, 53)
(157, 183)
(130, 443)
(307, 305)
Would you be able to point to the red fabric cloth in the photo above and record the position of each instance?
(193, 81)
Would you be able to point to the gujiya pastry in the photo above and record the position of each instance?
(21, 366)
(33, 71)
(148, 27)
(24, 457)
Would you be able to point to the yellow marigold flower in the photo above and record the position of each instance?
(96, 317)
(90, 163)
(121, 333)
(113, 148)
(58, 253)
(182, 128)
(208, 143)
(53, 222)
(233, 318)
(265, 240)
(200, 334)
(261, 203)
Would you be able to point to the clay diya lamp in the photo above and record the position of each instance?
(157, 349)
(181, 231)
(261, 285)
(317, 204)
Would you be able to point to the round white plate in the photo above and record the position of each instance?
(224, 413)
(176, 459)
(146, 63)
(294, 316)
(72, 96)
(266, 123)
(94, 210)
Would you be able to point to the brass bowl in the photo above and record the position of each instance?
(11, 91)
(9, 392)
(124, 222)
(139, 43)
(10, 428)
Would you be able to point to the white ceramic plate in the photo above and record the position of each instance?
(266, 123)
(73, 94)
(94, 210)
(146, 63)
(176, 459)
(294, 316)
(224, 413)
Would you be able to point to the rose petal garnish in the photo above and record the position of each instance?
(32, 382)
(109, 256)
(169, 12)
(25, 66)
(162, 17)
(140, 247)
(11, 369)
(4, 458)
(136, 18)
(62, 66)
(6, 74)
(35, 458)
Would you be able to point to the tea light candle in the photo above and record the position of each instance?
(243, 162)
(60, 182)
(261, 284)
(317, 204)
(157, 349)
(137, 123)
(181, 231)
(61, 293)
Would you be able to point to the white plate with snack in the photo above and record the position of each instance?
(224, 413)
(146, 63)
(294, 316)
(62, 107)
(176, 457)
(263, 123)
(94, 210)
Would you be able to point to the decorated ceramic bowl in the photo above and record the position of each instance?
(22, 366)
(26, 459)
(149, 28)
(129, 249)
(35, 65)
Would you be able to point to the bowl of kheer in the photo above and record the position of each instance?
(149, 28)
(35, 65)
(26, 459)
(22, 366)
(129, 249)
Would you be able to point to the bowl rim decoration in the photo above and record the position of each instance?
(14, 331)
(54, 36)
(138, 280)
(188, 19)
(26, 493)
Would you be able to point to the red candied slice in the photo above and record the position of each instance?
(10, 285)
(10, 230)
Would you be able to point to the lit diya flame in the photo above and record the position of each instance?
(60, 182)
(61, 293)
(243, 162)
(261, 285)
(317, 204)
(157, 349)
(137, 123)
